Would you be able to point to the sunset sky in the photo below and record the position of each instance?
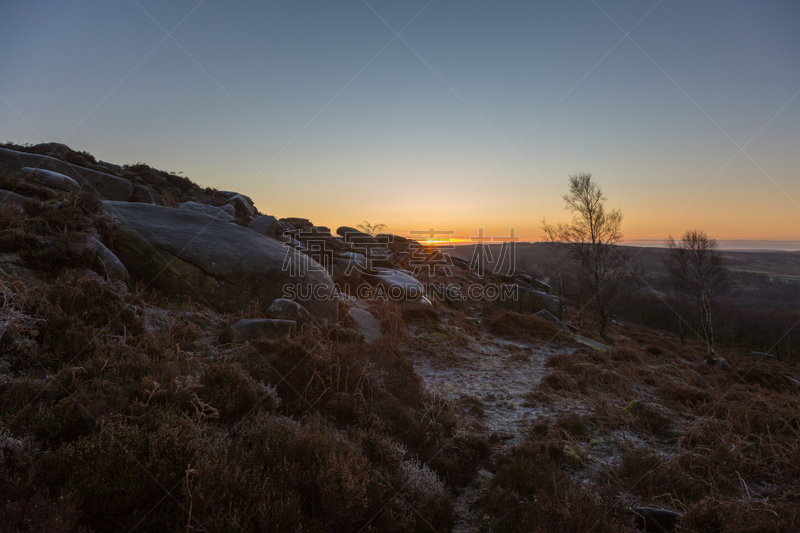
(443, 114)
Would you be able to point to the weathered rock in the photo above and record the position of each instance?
(366, 324)
(221, 264)
(209, 210)
(241, 205)
(266, 225)
(655, 520)
(399, 286)
(113, 266)
(106, 186)
(251, 329)
(12, 197)
(50, 179)
(289, 310)
(146, 195)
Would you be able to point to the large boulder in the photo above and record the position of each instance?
(221, 264)
(107, 186)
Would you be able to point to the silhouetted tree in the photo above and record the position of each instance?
(695, 268)
(371, 229)
(592, 239)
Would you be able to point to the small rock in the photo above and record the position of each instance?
(366, 324)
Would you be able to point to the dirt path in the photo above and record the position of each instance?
(491, 378)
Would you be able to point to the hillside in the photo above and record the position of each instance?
(172, 359)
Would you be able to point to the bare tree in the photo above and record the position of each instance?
(695, 268)
(556, 262)
(592, 239)
(371, 229)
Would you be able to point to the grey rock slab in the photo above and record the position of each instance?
(221, 264)
(251, 329)
(366, 324)
(53, 180)
(209, 210)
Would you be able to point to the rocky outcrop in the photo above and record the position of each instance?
(218, 263)
(106, 186)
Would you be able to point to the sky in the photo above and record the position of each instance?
(431, 114)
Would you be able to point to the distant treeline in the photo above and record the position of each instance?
(775, 330)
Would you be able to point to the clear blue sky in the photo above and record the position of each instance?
(474, 116)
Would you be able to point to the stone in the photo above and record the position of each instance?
(266, 225)
(14, 198)
(289, 310)
(113, 266)
(209, 210)
(251, 329)
(399, 286)
(50, 179)
(146, 195)
(542, 286)
(366, 324)
(242, 205)
(220, 264)
(655, 520)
